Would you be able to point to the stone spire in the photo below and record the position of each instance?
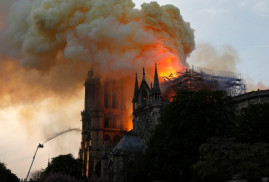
(143, 73)
(89, 75)
(156, 86)
(135, 88)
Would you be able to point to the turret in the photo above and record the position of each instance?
(143, 73)
(88, 90)
(135, 89)
(135, 92)
(156, 91)
(156, 86)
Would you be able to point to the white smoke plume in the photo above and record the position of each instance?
(206, 55)
(224, 58)
(254, 85)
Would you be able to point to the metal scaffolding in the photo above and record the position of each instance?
(206, 79)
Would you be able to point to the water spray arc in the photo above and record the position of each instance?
(42, 146)
(61, 133)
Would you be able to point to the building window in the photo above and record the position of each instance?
(111, 122)
(106, 98)
(114, 97)
(106, 122)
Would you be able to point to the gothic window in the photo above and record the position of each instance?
(117, 122)
(106, 122)
(106, 98)
(111, 122)
(114, 122)
(92, 95)
(114, 97)
(144, 97)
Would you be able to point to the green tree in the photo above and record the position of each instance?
(134, 167)
(186, 123)
(66, 165)
(57, 177)
(6, 175)
(253, 123)
(222, 159)
(35, 175)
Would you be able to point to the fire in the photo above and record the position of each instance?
(167, 71)
(168, 63)
(129, 125)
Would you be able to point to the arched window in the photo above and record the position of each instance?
(114, 97)
(106, 122)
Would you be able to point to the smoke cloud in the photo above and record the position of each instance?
(225, 58)
(109, 34)
(253, 85)
(206, 55)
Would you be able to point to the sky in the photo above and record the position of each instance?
(229, 34)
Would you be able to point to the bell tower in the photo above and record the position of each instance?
(103, 119)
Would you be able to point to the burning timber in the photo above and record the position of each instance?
(206, 79)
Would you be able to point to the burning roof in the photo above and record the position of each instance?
(206, 79)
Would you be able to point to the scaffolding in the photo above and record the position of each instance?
(197, 78)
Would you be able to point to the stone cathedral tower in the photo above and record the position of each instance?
(102, 119)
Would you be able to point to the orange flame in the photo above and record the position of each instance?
(167, 62)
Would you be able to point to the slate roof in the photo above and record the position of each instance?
(129, 143)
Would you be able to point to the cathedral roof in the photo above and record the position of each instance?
(129, 143)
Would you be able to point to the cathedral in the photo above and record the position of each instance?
(104, 137)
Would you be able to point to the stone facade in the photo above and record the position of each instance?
(102, 119)
(254, 97)
(147, 105)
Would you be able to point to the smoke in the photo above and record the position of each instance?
(225, 58)
(24, 86)
(109, 34)
(253, 85)
(206, 55)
